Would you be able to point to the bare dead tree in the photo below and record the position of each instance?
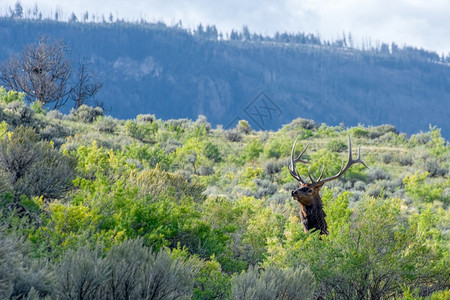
(87, 85)
(44, 72)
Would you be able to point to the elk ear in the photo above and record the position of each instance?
(318, 186)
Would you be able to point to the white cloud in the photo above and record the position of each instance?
(413, 22)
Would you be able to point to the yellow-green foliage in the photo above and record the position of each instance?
(417, 187)
(10, 96)
(3, 129)
(221, 211)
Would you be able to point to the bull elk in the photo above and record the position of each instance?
(307, 195)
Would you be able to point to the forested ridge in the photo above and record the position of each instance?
(176, 72)
(94, 207)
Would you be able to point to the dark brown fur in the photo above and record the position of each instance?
(311, 208)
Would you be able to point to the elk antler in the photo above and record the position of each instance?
(320, 181)
(291, 166)
(347, 166)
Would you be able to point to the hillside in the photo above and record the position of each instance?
(175, 73)
(98, 207)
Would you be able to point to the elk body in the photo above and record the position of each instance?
(307, 195)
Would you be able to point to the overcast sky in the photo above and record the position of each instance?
(419, 23)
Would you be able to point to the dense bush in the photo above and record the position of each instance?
(18, 113)
(106, 124)
(56, 114)
(274, 283)
(233, 135)
(141, 131)
(173, 210)
(386, 158)
(85, 114)
(377, 174)
(303, 123)
(7, 97)
(146, 118)
(376, 132)
(19, 275)
(370, 251)
(336, 146)
(203, 122)
(243, 127)
(34, 167)
(272, 167)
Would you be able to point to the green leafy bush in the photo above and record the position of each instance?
(7, 97)
(336, 146)
(253, 150)
(359, 132)
(303, 123)
(208, 208)
(233, 135)
(141, 131)
(274, 283)
(373, 251)
(20, 277)
(81, 274)
(33, 167)
(418, 189)
(106, 124)
(135, 272)
(18, 113)
(86, 114)
(243, 127)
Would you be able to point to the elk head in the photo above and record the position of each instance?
(307, 195)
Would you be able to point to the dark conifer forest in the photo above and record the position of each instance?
(179, 73)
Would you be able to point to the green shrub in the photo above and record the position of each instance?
(18, 113)
(233, 135)
(81, 275)
(253, 150)
(141, 131)
(7, 97)
(202, 122)
(272, 167)
(378, 131)
(146, 118)
(359, 132)
(33, 167)
(377, 174)
(56, 114)
(18, 274)
(336, 146)
(86, 114)
(386, 158)
(417, 188)
(135, 272)
(37, 107)
(243, 127)
(278, 147)
(303, 123)
(405, 160)
(211, 282)
(273, 283)
(212, 152)
(106, 124)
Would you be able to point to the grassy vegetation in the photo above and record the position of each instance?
(95, 207)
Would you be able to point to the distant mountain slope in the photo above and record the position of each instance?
(151, 68)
